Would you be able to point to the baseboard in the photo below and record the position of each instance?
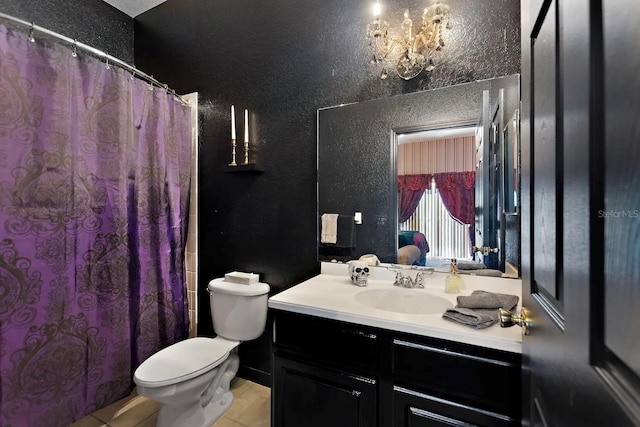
(255, 375)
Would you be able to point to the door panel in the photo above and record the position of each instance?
(622, 204)
(619, 357)
(545, 149)
(581, 357)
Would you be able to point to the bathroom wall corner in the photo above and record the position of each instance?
(191, 252)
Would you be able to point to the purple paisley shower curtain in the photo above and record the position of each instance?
(94, 181)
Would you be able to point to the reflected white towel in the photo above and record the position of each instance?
(329, 232)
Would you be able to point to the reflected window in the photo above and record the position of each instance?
(447, 237)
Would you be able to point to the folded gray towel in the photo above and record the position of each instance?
(478, 319)
(480, 309)
(486, 272)
(484, 299)
(470, 265)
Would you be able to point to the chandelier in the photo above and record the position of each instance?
(409, 53)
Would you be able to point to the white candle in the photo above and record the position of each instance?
(246, 125)
(233, 123)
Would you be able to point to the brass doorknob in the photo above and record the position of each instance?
(522, 319)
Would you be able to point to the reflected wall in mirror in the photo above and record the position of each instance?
(367, 154)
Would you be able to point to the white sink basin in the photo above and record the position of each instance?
(401, 300)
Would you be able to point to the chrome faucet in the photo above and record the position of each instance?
(406, 281)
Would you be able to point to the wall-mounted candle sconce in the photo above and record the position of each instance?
(233, 137)
(245, 165)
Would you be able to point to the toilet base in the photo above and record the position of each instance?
(206, 408)
(195, 415)
(215, 410)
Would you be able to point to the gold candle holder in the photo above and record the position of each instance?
(246, 153)
(233, 153)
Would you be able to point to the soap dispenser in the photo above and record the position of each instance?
(453, 283)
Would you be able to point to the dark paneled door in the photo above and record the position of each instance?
(482, 194)
(496, 184)
(490, 188)
(581, 208)
(489, 218)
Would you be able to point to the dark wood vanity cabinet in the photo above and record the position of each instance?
(334, 374)
(312, 396)
(323, 373)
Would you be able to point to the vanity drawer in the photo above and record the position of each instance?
(412, 408)
(483, 378)
(339, 344)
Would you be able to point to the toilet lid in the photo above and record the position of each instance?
(183, 360)
(253, 289)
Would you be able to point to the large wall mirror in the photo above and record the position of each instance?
(433, 172)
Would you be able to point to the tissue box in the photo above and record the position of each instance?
(242, 278)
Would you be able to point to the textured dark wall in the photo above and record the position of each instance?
(92, 22)
(284, 59)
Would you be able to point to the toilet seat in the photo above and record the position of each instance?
(183, 360)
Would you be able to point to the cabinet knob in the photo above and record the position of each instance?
(522, 319)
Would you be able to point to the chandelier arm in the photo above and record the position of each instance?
(428, 42)
(417, 42)
(389, 47)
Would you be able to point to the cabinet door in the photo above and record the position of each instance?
(415, 409)
(310, 396)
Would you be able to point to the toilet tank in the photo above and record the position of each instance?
(239, 312)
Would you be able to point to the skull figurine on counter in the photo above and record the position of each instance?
(359, 272)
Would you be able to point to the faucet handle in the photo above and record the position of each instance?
(418, 281)
(398, 281)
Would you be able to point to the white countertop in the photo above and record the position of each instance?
(331, 295)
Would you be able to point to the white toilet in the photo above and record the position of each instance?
(190, 379)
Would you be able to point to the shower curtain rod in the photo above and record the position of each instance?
(96, 52)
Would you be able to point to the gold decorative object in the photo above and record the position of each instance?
(409, 53)
(233, 153)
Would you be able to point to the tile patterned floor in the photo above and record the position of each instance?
(251, 408)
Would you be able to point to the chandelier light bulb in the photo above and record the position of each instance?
(377, 9)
